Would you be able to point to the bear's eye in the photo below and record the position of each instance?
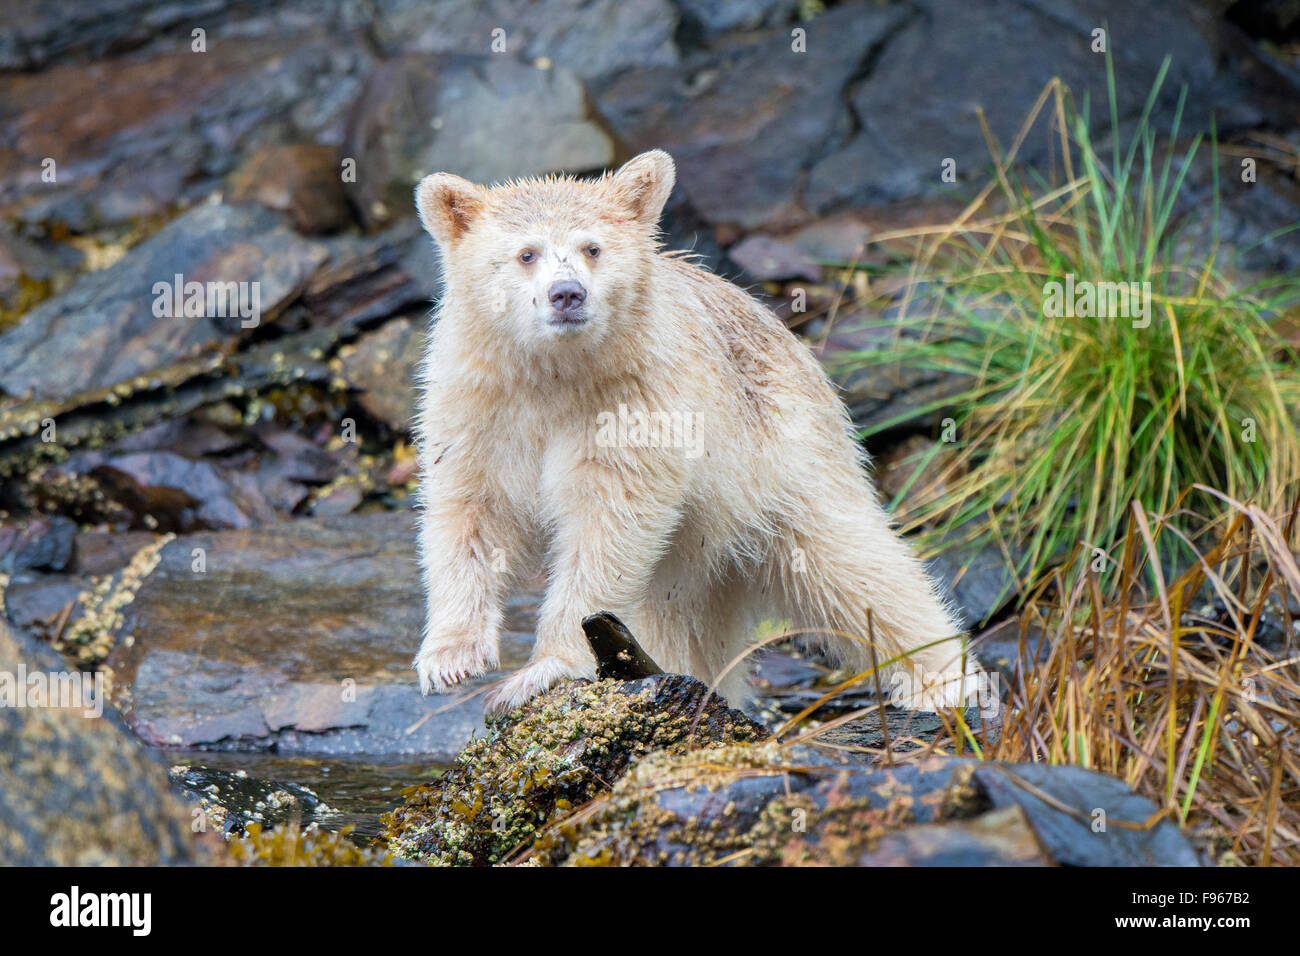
(592, 251)
(527, 256)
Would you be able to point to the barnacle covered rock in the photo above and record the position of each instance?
(551, 755)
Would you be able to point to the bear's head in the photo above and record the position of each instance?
(552, 262)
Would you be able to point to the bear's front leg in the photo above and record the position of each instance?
(461, 549)
(611, 530)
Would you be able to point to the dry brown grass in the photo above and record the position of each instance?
(1165, 684)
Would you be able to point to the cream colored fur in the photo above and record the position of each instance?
(766, 515)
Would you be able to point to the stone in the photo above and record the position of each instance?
(594, 38)
(713, 18)
(1071, 836)
(919, 103)
(383, 364)
(303, 179)
(765, 258)
(765, 804)
(552, 754)
(729, 117)
(486, 118)
(76, 789)
(976, 576)
(43, 544)
(297, 636)
(103, 331)
(167, 122)
(163, 491)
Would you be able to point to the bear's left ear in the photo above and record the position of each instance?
(448, 205)
(643, 184)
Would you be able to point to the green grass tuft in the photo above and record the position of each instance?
(1064, 421)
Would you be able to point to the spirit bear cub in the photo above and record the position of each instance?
(654, 438)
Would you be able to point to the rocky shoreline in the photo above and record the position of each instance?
(210, 509)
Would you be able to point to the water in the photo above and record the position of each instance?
(360, 788)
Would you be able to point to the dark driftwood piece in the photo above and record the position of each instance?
(618, 655)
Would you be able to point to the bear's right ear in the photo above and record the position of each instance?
(448, 206)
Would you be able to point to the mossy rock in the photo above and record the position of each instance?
(758, 804)
(767, 804)
(77, 789)
(552, 755)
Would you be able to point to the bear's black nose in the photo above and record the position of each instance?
(566, 296)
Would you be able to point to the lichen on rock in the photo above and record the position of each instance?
(757, 804)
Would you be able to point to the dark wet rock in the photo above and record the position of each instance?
(231, 800)
(999, 647)
(296, 457)
(886, 396)
(729, 116)
(771, 805)
(202, 384)
(103, 552)
(1254, 234)
(160, 490)
(188, 436)
(373, 277)
(998, 838)
(103, 330)
(296, 635)
(41, 544)
(31, 272)
(340, 499)
(551, 755)
(43, 605)
(1267, 19)
(683, 228)
(304, 180)
(592, 37)
(903, 730)
(836, 239)
(764, 258)
(788, 684)
(487, 118)
(1092, 833)
(714, 17)
(167, 122)
(918, 104)
(36, 34)
(976, 577)
(382, 364)
(77, 790)
(764, 805)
